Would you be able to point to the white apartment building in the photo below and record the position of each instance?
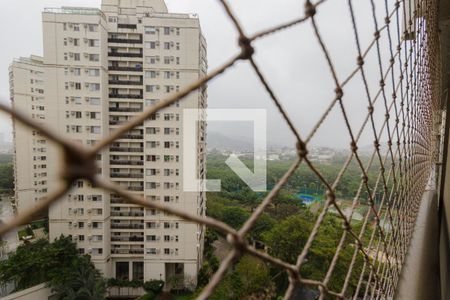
(101, 68)
(26, 79)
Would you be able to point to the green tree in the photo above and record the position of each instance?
(6, 177)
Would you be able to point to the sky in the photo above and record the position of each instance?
(291, 60)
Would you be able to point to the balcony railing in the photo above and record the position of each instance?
(127, 214)
(127, 239)
(125, 149)
(126, 175)
(127, 26)
(116, 122)
(125, 41)
(130, 69)
(135, 188)
(124, 54)
(127, 251)
(126, 96)
(132, 136)
(125, 82)
(127, 162)
(125, 109)
(126, 226)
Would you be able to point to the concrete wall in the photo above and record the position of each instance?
(37, 292)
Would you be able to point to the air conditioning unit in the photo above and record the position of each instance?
(86, 70)
(89, 224)
(86, 84)
(71, 54)
(85, 25)
(85, 40)
(70, 25)
(86, 54)
(72, 84)
(75, 237)
(71, 40)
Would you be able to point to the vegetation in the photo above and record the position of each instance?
(69, 274)
(283, 228)
(6, 177)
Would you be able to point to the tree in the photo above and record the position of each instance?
(6, 177)
(235, 216)
(84, 282)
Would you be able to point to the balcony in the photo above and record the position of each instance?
(125, 109)
(125, 41)
(115, 122)
(132, 136)
(126, 162)
(125, 82)
(124, 54)
(127, 251)
(126, 96)
(126, 175)
(135, 188)
(126, 226)
(127, 26)
(127, 239)
(127, 214)
(125, 149)
(128, 69)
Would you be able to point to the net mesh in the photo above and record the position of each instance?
(403, 149)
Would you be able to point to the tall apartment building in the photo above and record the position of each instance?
(102, 67)
(26, 80)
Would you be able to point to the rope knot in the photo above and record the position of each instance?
(247, 49)
(310, 9)
(301, 149)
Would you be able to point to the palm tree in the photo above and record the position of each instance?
(84, 283)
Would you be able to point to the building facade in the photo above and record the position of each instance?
(26, 80)
(101, 68)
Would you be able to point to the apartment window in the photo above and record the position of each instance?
(151, 130)
(112, 19)
(150, 102)
(152, 225)
(150, 45)
(168, 88)
(178, 60)
(150, 172)
(168, 158)
(167, 45)
(150, 74)
(150, 29)
(151, 251)
(167, 60)
(166, 172)
(76, 56)
(94, 87)
(166, 225)
(151, 185)
(152, 60)
(166, 251)
(167, 145)
(96, 198)
(81, 237)
(97, 238)
(76, 42)
(93, 27)
(94, 72)
(77, 72)
(95, 129)
(152, 144)
(166, 198)
(78, 115)
(76, 27)
(81, 250)
(94, 101)
(77, 86)
(94, 115)
(97, 225)
(167, 74)
(77, 100)
(151, 238)
(94, 57)
(151, 88)
(167, 130)
(166, 30)
(152, 158)
(167, 238)
(94, 43)
(80, 224)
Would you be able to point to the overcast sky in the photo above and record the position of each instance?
(291, 60)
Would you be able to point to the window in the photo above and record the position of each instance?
(76, 42)
(77, 100)
(81, 250)
(166, 225)
(151, 130)
(94, 43)
(151, 250)
(150, 45)
(97, 225)
(166, 172)
(167, 145)
(152, 158)
(150, 102)
(150, 74)
(151, 238)
(151, 59)
(76, 56)
(93, 28)
(166, 30)
(166, 198)
(77, 72)
(152, 225)
(166, 130)
(94, 57)
(166, 60)
(167, 45)
(95, 129)
(167, 238)
(77, 86)
(167, 74)
(96, 198)
(80, 224)
(150, 172)
(150, 29)
(94, 87)
(78, 115)
(112, 19)
(94, 115)
(152, 144)
(76, 27)
(166, 251)
(94, 72)
(81, 237)
(94, 101)
(151, 88)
